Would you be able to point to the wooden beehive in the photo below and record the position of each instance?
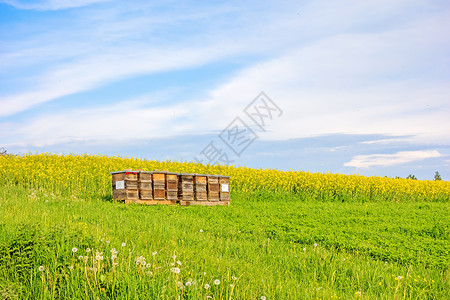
(213, 188)
(163, 187)
(159, 185)
(186, 187)
(125, 185)
(146, 185)
(172, 186)
(224, 191)
(200, 191)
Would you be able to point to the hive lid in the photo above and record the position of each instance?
(125, 171)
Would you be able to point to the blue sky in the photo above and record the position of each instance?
(358, 86)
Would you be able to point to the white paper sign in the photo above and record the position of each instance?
(120, 185)
(225, 187)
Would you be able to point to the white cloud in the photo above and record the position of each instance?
(332, 68)
(354, 83)
(128, 120)
(386, 160)
(94, 71)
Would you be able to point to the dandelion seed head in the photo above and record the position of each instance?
(188, 283)
(201, 230)
(41, 268)
(263, 298)
(217, 282)
(179, 263)
(175, 270)
(234, 277)
(315, 244)
(88, 250)
(123, 244)
(74, 250)
(206, 286)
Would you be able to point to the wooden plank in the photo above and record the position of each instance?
(204, 203)
(145, 185)
(125, 194)
(172, 185)
(161, 177)
(131, 184)
(172, 195)
(145, 176)
(146, 194)
(199, 179)
(159, 194)
(213, 196)
(152, 202)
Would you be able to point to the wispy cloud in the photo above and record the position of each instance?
(43, 5)
(402, 157)
(372, 67)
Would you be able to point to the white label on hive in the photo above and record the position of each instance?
(225, 187)
(120, 185)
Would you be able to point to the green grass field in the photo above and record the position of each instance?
(264, 246)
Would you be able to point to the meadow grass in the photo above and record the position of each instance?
(264, 246)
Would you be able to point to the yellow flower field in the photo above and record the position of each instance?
(88, 176)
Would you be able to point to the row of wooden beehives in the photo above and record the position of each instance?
(163, 187)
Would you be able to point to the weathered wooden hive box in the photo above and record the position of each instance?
(145, 185)
(186, 187)
(125, 185)
(200, 191)
(163, 187)
(224, 193)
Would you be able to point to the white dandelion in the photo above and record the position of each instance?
(41, 268)
(123, 244)
(74, 250)
(206, 286)
(175, 270)
(217, 282)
